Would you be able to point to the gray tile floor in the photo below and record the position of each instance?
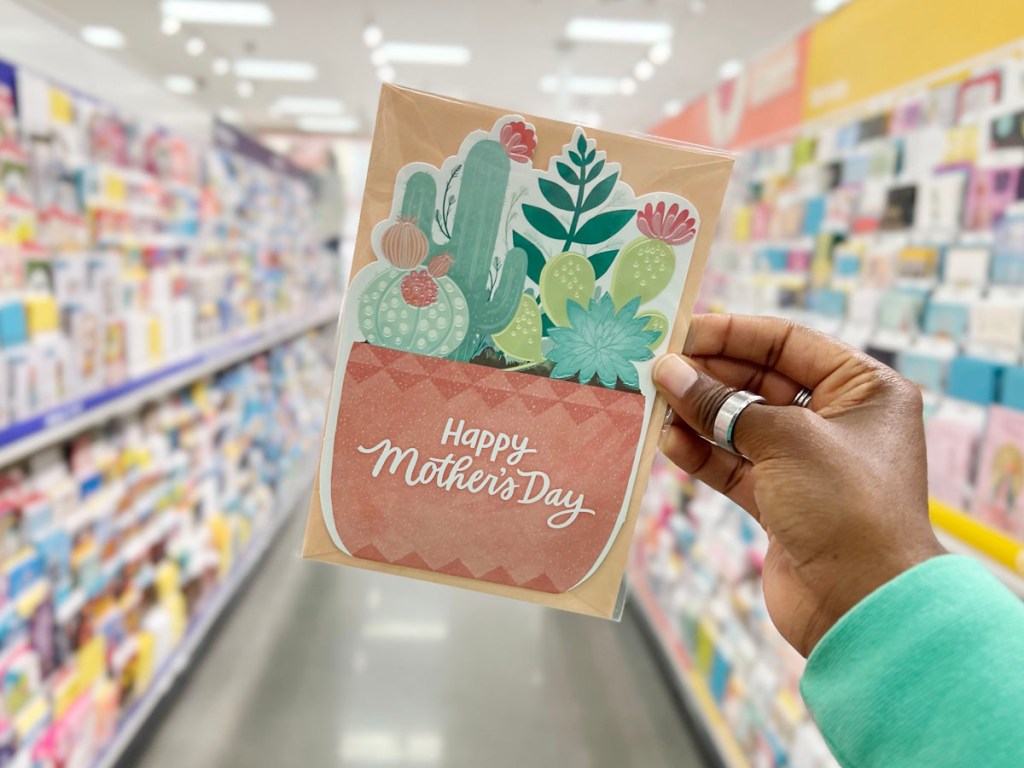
(325, 666)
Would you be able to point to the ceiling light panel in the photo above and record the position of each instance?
(305, 105)
(423, 53)
(618, 31)
(103, 37)
(275, 69)
(180, 84)
(227, 12)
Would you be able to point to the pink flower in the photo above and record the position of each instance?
(672, 225)
(519, 141)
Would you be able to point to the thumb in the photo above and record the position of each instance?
(761, 431)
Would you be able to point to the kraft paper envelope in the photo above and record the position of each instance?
(492, 419)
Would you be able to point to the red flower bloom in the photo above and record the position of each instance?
(519, 141)
(673, 226)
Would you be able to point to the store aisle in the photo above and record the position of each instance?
(323, 666)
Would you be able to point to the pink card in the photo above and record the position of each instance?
(952, 447)
(492, 417)
(999, 496)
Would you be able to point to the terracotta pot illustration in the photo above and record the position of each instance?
(435, 470)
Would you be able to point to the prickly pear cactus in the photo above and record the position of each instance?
(566, 277)
(418, 310)
(644, 268)
(522, 338)
(656, 321)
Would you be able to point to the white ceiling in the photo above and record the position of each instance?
(513, 44)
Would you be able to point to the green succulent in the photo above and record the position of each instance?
(602, 342)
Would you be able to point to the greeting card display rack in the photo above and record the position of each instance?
(898, 227)
(165, 340)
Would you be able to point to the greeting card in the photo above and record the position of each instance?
(952, 446)
(999, 497)
(492, 418)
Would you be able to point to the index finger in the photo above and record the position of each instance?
(796, 351)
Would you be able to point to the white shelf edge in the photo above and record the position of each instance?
(271, 335)
(1013, 581)
(181, 657)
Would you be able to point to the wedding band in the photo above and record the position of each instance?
(803, 398)
(728, 415)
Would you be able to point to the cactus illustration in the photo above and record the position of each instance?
(656, 321)
(566, 277)
(415, 310)
(644, 267)
(522, 338)
(474, 237)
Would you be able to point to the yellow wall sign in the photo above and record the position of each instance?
(872, 46)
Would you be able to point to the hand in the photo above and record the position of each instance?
(840, 487)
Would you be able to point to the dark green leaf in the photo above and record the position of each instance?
(591, 155)
(581, 144)
(545, 324)
(594, 172)
(557, 196)
(567, 173)
(602, 262)
(544, 222)
(600, 193)
(534, 258)
(603, 227)
(575, 158)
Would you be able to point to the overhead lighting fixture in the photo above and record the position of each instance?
(103, 37)
(275, 69)
(195, 46)
(730, 69)
(229, 114)
(306, 105)
(660, 53)
(221, 66)
(170, 26)
(827, 6)
(673, 108)
(588, 86)
(321, 124)
(378, 57)
(373, 36)
(386, 74)
(180, 84)
(228, 12)
(697, 7)
(643, 70)
(423, 53)
(618, 31)
(245, 89)
(627, 86)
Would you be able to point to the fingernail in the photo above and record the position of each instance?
(673, 375)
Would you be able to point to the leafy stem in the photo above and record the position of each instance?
(579, 204)
(442, 217)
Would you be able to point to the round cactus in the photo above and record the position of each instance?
(566, 277)
(655, 322)
(521, 339)
(643, 268)
(421, 311)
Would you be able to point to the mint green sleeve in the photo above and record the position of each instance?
(926, 671)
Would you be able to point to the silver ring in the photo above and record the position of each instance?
(728, 414)
(803, 398)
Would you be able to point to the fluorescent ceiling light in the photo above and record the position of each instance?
(378, 57)
(170, 26)
(627, 86)
(618, 31)
(423, 53)
(386, 73)
(195, 46)
(245, 89)
(229, 114)
(730, 69)
(231, 12)
(697, 7)
(673, 107)
(827, 6)
(103, 37)
(643, 70)
(323, 124)
(373, 36)
(590, 86)
(306, 105)
(660, 53)
(221, 66)
(275, 69)
(181, 84)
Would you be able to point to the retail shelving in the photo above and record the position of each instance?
(22, 439)
(294, 492)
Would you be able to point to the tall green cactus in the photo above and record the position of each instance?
(474, 238)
